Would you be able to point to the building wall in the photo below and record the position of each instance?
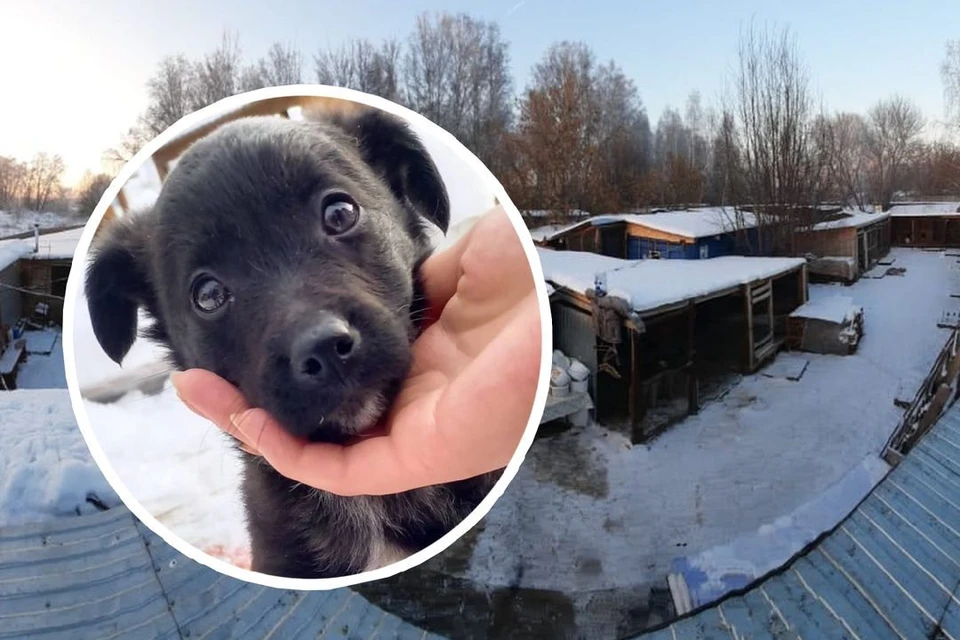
(640, 246)
(38, 275)
(10, 299)
(925, 231)
(573, 334)
(839, 243)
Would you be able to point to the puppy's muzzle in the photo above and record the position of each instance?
(324, 352)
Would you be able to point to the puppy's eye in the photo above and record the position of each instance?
(339, 215)
(209, 294)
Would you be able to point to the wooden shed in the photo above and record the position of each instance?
(846, 247)
(39, 273)
(926, 224)
(690, 234)
(668, 333)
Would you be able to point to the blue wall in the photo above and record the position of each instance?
(716, 246)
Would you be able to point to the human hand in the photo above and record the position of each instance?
(465, 404)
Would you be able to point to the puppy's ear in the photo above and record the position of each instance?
(116, 286)
(389, 145)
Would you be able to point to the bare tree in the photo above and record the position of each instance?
(846, 156)
(13, 177)
(217, 74)
(457, 74)
(43, 180)
(558, 129)
(170, 93)
(624, 142)
(91, 190)
(782, 169)
(725, 182)
(893, 127)
(950, 74)
(363, 66)
(283, 65)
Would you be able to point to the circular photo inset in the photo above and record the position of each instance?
(306, 337)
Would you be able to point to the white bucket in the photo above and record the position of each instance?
(560, 391)
(560, 360)
(579, 386)
(559, 377)
(578, 370)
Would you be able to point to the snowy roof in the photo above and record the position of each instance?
(13, 250)
(836, 309)
(59, 246)
(688, 223)
(543, 213)
(925, 209)
(650, 285)
(540, 234)
(851, 219)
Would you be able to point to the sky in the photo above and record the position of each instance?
(74, 73)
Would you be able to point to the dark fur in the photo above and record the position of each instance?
(241, 204)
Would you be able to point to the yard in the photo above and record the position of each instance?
(588, 513)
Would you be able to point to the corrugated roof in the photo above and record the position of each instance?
(891, 569)
(106, 575)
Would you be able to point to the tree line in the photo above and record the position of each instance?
(578, 135)
(37, 185)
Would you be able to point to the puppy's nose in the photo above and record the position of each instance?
(323, 351)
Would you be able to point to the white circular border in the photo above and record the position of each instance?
(75, 283)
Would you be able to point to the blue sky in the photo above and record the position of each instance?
(857, 51)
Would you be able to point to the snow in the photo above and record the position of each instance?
(851, 219)
(714, 572)
(12, 223)
(179, 466)
(545, 232)
(925, 209)
(588, 512)
(43, 368)
(13, 250)
(837, 309)
(47, 468)
(647, 285)
(58, 246)
(690, 223)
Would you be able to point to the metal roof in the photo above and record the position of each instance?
(891, 569)
(107, 576)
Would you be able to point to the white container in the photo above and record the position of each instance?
(559, 377)
(560, 391)
(560, 360)
(577, 370)
(579, 386)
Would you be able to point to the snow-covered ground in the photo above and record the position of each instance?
(12, 223)
(47, 472)
(589, 512)
(178, 466)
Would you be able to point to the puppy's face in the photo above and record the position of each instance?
(282, 256)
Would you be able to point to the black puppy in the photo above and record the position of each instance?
(284, 256)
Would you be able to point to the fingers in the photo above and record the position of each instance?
(483, 413)
(211, 397)
(344, 470)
